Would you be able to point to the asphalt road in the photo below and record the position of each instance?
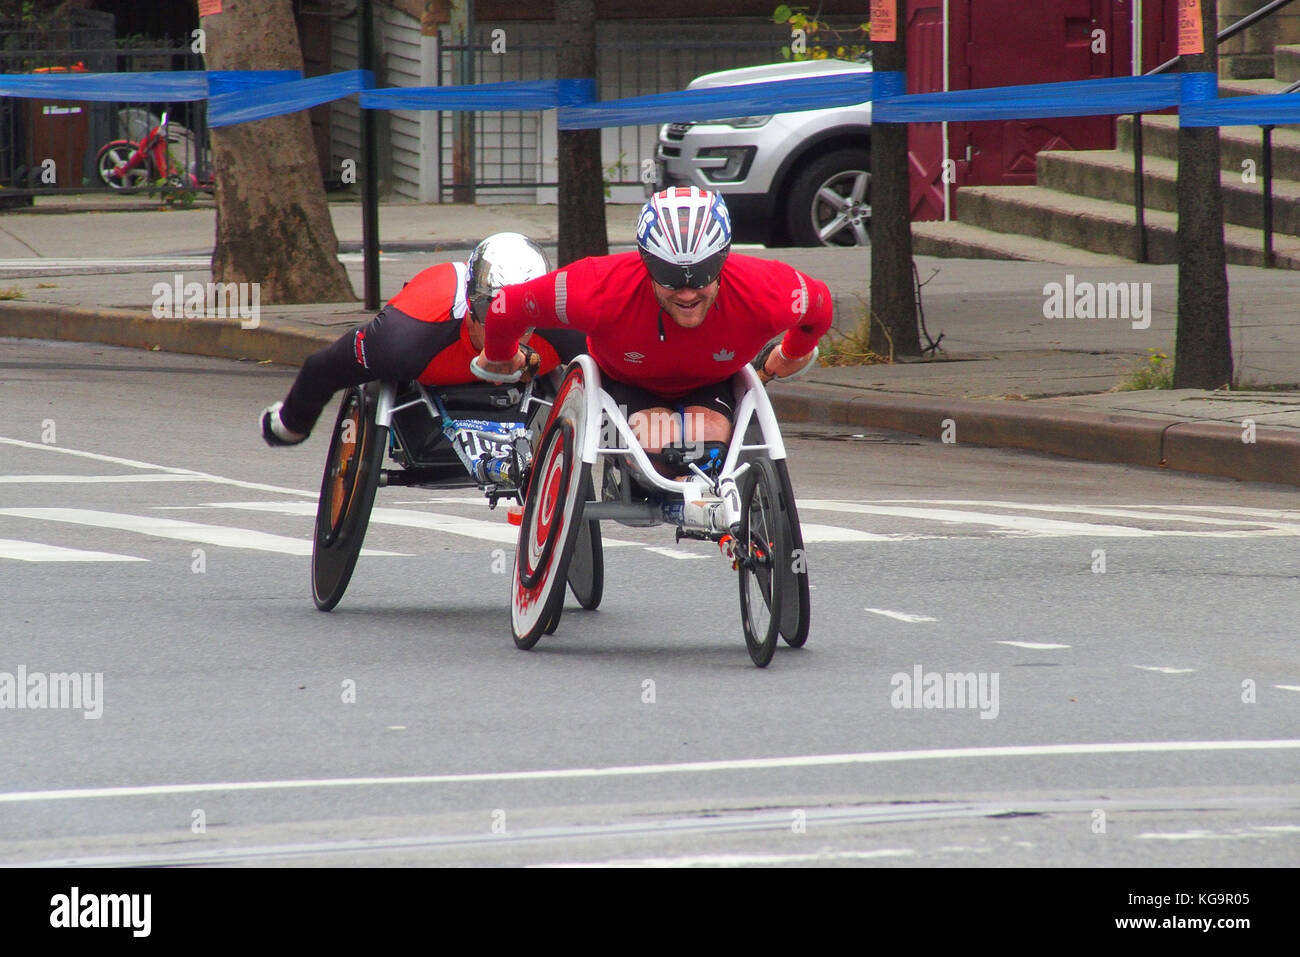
(1132, 631)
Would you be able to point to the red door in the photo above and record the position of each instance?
(1007, 43)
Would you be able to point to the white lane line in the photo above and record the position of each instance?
(135, 464)
(813, 532)
(678, 553)
(220, 535)
(900, 615)
(1046, 527)
(735, 860)
(1136, 512)
(695, 767)
(1194, 836)
(1033, 645)
(501, 532)
(1166, 670)
(92, 479)
(1021, 524)
(68, 263)
(1287, 687)
(38, 552)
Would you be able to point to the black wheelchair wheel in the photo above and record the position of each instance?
(347, 494)
(587, 569)
(796, 607)
(765, 551)
(559, 485)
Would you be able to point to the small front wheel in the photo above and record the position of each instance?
(115, 154)
(764, 552)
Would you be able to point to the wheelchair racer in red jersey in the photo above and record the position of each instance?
(669, 324)
(430, 331)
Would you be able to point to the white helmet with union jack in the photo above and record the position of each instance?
(684, 235)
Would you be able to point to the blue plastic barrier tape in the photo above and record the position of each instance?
(173, 86)
(889, 83)
(1104, 97)
(531, 95)
(260, 104)
(722, 102)
(1268, 110)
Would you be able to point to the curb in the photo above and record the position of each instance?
(1206, 448)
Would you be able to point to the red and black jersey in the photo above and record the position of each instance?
(437, 295)
(611, 299)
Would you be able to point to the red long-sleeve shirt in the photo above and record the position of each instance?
(610, 299)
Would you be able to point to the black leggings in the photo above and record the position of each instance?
(395, 347)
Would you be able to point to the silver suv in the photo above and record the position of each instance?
(788, 178)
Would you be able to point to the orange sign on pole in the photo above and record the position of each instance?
(884, 20)
(1191, 35)
(209, 8)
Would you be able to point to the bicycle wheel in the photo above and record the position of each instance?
(796, 607)
(110, 156)
(558, 488)
(762, 536)
(347, 494)
(587, 569)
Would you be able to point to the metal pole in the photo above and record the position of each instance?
(1139, 190)
(1268, 196)
(369, 170)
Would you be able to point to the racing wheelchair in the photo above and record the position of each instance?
(745, 504)
(438, 437)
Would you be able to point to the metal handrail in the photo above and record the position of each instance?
(1139, 187)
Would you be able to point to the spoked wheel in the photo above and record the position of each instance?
(796, 606)
(587, 569)
(347, 494)
(559, 485)
(114, 154)
(765, 553)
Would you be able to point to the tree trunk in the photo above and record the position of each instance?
(894, 330)
(1203, 349)
(273, 224)
(582, 187)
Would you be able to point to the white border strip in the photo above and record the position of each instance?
(696, 767)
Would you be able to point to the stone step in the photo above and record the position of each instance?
(960, 240)
(1102, 226)
(1236, 144)
(1286, 62)
(1108, 174)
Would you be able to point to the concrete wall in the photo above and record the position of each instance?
(1250, 55)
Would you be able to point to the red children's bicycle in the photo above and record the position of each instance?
(129, 165)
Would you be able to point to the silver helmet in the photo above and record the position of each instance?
(502, 259)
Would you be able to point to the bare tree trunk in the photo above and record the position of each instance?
(894, 330)
(582, 188)
(1203, 349)
(273, 224)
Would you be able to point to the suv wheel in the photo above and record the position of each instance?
(830, 201)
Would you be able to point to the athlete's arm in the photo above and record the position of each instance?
(543, 303)
(810, 318)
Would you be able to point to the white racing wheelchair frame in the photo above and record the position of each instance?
(485, 441)
(748, 508)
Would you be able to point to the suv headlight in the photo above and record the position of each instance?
(747, 122)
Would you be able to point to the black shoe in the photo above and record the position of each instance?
(273, 429)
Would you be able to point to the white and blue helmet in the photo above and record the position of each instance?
(684, 235)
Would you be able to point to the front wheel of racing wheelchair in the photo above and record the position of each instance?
(764, 539)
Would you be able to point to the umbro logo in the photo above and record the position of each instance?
(633, 356)
(725, 355)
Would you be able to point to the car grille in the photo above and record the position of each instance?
(677, 130)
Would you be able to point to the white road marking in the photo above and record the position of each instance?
(1166, 670)
(1287, 687)
(695, 767)
(172, 528)
(93, 479)
(135, 464)
(38, 552)
(1044, 527)
(834, 533)
(736, 860)
(1195, 836)
(1289, 521)
(678, 553)
(1033, 645)
(899, 615)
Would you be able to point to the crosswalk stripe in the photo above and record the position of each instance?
(40, 552)
(95, 479)
(172, 528)
(1288, 521)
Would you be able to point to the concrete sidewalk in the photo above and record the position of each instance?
(1006, 375)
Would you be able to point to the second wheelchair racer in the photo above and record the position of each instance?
(669, 324)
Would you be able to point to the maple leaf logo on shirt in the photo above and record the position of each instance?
(724, 355)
